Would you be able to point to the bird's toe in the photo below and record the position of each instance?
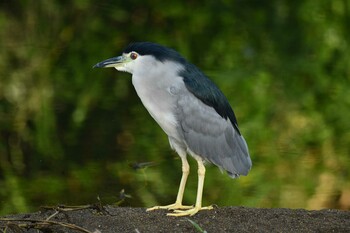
(189, 212)
(174, 206)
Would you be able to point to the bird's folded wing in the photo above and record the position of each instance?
(211, 136)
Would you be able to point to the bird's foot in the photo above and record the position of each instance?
(190, 212)
(175, 206)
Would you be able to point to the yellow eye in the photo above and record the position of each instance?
(133, 55)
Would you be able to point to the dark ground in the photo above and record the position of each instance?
(228, 219)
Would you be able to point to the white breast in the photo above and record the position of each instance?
(157, 91)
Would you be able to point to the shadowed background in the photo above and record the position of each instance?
(71, 134)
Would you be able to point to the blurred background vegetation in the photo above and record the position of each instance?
(70, 134)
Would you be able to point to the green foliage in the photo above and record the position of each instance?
(69, 133)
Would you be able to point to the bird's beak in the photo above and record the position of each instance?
(112, 62)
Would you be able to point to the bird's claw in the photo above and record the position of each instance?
(190, 212)
(174, 206)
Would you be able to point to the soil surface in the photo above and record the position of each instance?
(107, 219)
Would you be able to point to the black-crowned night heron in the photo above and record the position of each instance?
(191, 110)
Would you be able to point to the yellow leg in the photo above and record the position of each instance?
(198, 206)
(180, 194)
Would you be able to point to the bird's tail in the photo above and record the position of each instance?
(241, 162)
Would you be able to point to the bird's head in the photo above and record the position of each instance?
(142, 56)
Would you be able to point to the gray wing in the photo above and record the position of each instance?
(211, 136)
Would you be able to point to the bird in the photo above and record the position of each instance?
(191, 110)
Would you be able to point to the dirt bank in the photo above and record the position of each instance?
(108, 219)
